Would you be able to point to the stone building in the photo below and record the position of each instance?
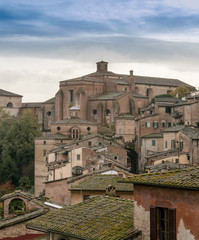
(165, 204)
(19, 207)
(10, 102)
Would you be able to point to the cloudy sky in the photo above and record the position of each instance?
(43, 42)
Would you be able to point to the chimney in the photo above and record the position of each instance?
(102, 66)
(111, 191)
(131, 81)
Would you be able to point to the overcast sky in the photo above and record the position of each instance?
(44, 42)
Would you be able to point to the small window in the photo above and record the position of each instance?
(153, 142)
(48, 114)
(181, 144)
(163, 124)
(94, 112)
(44, 153)
(99, 143)
(168, 110)
(58, 128)
(44, 142)
(148, 124)
(71, 95)
(177, 160)
(169, 124)
(166, 144)
(197, 124)
(115, 157)
(78, 156)
(89, 144)
(155, 124)
(120, 131)
(125, 89)
(107, 112)
(9, 105)
(172, 143)
(88, 129)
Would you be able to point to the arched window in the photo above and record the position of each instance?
(75, 133)
(9, 105)
(48, 114)
(17, 205)
(107, 112)
(94, 112)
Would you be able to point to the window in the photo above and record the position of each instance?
(71, 96)
(48, 114)
(166, 144)
(120, 131)
(94, 112)
(153, 142)
(120, 123)
(155, 124)
(169, 124)
(125, 89)
(89, 144)
(197, 124)
(9, 105)
(172, 143)
(181, 144)
(108, 112)
(168, 110)
(147, 124)
(44, 153)
(162, 223)
(163, 124)
(58, 128)
(88, 129)
(115, 157)
(78, 156)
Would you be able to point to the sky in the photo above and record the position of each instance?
(45, 42)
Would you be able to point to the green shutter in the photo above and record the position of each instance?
(153, 223)
(172, 224)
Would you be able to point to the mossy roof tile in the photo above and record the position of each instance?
(101, 182)
(97, 218)
(184, 178)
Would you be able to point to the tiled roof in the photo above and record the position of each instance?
(101, 182)
(31, 104)
(50, 101)
(176, 128)
(137, 95)
(193, 133)
(160, 81)
(98, 218)
(186, 178)
(153, 135)
(8, 94)
(108, 96)
(84, 78)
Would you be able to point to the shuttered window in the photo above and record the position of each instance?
(162, 223)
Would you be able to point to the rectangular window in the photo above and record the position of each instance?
(44, 153)
(120, 131)
(165, 144)
(71, 95)
(181, 144)
(169, 124)
(168, 110)
(163, 124)
(153, 142)
(89, 144)
(162, 223)
(155, 124)
(78, 156)
(148, 124)
(172, 143)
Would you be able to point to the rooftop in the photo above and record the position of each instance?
(73, 120)
(108, 96)
(153, 135)
(101, 182)
(8, 94)
(185, 178)
(192, 133)
(97, 218)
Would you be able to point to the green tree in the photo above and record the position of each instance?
(17, 145)
(24, 183)
(180, 92)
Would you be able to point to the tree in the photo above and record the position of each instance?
(180, 92)
(17, 145)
